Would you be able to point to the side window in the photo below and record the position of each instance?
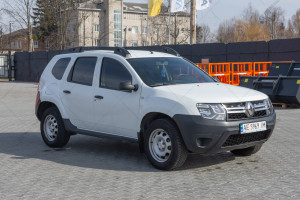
(83, 70)
(60, 67)
(113, 73)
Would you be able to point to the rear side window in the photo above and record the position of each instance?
(113, 73)
(83, 70)
(60, 67)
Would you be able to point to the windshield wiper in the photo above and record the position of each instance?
(162, 84)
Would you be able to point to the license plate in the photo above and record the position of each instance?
(253, 127)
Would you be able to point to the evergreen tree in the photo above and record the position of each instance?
(44, 18)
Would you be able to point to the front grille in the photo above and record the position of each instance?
(239, 111)
(237, 116)
(260, 113)
(238, 139)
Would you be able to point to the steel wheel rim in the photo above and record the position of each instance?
(160, 145)
(50, 128)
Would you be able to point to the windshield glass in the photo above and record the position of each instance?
(167, 71)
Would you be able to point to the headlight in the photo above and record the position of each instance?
(269, 105)
(212, 111)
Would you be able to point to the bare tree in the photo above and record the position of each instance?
(1, 33)
(179, 30)
(274, 19)
(226, 31)
(203, 34)
(21, 12)
(250, 14)
(289, 31)
(295, 22)
(250, 31)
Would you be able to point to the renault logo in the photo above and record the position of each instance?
(249, 109)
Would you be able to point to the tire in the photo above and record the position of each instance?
(248, 151)
(53, 129)
(164, 146)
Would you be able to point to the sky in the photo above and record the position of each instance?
(221, 10)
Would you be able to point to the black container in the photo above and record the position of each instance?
(280, 89)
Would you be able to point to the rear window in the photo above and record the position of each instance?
(60, 67)
(83, 70)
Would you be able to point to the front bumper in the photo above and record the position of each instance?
(209, 137)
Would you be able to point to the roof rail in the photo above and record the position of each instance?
(171, 51)
(122, 52)
(117, 50)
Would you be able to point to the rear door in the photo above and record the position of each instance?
(116, 111)
(77, 93)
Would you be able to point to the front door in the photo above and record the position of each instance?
(116, 111)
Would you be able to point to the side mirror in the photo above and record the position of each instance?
(127, 86)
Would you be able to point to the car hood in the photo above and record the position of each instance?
(211, 93)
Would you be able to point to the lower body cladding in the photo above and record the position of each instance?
(209, 137)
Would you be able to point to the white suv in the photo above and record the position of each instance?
(160, 100)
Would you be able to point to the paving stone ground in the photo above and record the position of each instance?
(94, 168)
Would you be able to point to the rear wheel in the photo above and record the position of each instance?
(164, 147)
(53, 129)
(248, 151)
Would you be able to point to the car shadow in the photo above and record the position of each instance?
(91, 152)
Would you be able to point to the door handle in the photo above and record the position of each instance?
(67, 92)
(98, 97)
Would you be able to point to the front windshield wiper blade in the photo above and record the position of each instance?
(162, 84)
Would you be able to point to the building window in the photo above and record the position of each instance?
(47, 44)
(97, 43)
(134, 30)
(134, 43)
(145, 43)
(36, 44)
(20, 44)
(155, 30)
(144, 30)
(117, 28)
(97, 28)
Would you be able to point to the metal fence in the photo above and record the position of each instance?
(29, 66)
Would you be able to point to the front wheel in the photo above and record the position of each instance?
(248, 151)
(164, 146)
(53, 129)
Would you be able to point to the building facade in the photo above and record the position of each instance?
(118, 23)
(18, 41)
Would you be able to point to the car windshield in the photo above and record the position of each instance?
(168, 71)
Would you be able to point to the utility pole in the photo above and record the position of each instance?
(125, 37)
(147, 25)
(169, 42)
(84, 18)
(9, 53)
(192, 21)
(1, 42)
